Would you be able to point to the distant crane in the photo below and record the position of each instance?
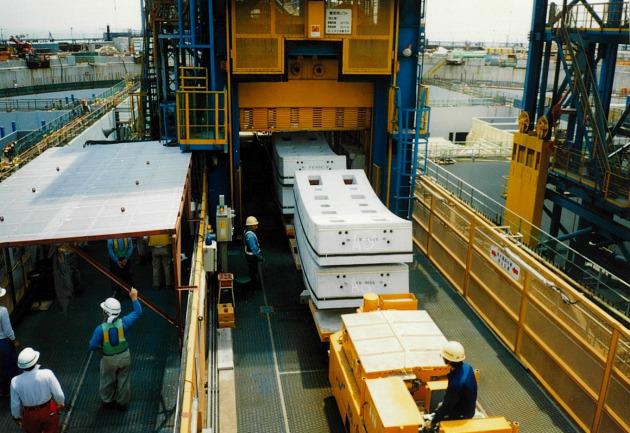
(50, 37)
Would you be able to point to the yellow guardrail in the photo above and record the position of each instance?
(578, 352)
(192, 385)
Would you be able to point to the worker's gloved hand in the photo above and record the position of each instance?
(133, 294)
(428, 422)
(16, 344)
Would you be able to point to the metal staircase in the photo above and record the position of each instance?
(412, 133)
(599, 160)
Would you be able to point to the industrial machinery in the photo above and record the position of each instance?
(384, 364)
(214, 70)
(570, 158)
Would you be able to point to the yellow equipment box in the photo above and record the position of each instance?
(390, 407)
(496, 424)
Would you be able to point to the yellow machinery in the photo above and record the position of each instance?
(381, 363)
(528, 177)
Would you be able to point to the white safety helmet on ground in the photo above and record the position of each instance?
(453, 351)
(27, 358)
(111, 307)
(3, 292)
(251, 221)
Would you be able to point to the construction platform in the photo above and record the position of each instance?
(281, 367)
(63, 340)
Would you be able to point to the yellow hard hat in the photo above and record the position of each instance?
(251, 221)
(453, 351)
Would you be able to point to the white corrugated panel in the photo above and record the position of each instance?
(73, 193)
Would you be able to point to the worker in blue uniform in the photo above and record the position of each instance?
(460, 399)
(253, 252)
(120, 251)
(8, 344)
(110, 339)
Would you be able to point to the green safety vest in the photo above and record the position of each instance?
(121, 254)
(108, 348)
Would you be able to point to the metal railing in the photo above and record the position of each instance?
(45, 104)
(596, 16)
(63, 129)
(577, 351)
(191, 404)
(601, 284)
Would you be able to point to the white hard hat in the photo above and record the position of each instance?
(111, 306)
(251, 221)
(3, 292)
(453, 351)
(27, 358)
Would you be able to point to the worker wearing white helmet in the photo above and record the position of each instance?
(460, 398)
(8, 345)
(36, 396)
(110, 339)
(252, 250)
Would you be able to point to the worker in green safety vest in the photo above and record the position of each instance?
(120, 251)
(110, 339)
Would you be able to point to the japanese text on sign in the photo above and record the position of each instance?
(510, 267)
(339, 21)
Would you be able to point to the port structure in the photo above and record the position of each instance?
(572, 53)
(350, 69)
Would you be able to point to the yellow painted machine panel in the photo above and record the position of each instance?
(390, 407)
(259, 30)
(526, 183)
(479, 425)
(305, 105)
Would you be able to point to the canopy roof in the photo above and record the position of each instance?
(95, 192)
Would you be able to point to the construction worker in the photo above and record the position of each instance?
(460, 398)
(161, 259)
(110, 339)
(8, 344)
(120, 251)
(36, 396)
(252, 251)
(66, 274)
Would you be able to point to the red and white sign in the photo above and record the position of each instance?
(504, 261)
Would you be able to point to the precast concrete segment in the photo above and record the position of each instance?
(284, 194)
(348, 259)
(344, 286)
(300, 151)
(341, 215)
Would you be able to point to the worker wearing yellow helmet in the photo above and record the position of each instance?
(460, 398)
(252, 251)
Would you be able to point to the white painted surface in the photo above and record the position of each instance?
(341, 215)
(96, 191)
(299, 151)
(344, 286)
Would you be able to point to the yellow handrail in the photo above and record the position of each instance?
(193, 393)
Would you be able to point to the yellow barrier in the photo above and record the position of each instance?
(579, 353)
(193, 395)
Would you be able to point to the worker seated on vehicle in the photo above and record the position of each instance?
(460, 398)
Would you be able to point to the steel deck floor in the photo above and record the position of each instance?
(281, 367)
(63, 341)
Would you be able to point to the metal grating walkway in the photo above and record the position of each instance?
(290, 392)
(62, 341)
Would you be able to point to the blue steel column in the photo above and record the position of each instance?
(379, 133)
(534, 58)
(609, 56)
(407, 77)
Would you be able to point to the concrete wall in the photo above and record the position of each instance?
(475, 70)
(27, 120)
(95, 132)
(22, 76)
(459, 119)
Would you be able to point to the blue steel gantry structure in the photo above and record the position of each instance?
(348, 68)
(568, 92)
